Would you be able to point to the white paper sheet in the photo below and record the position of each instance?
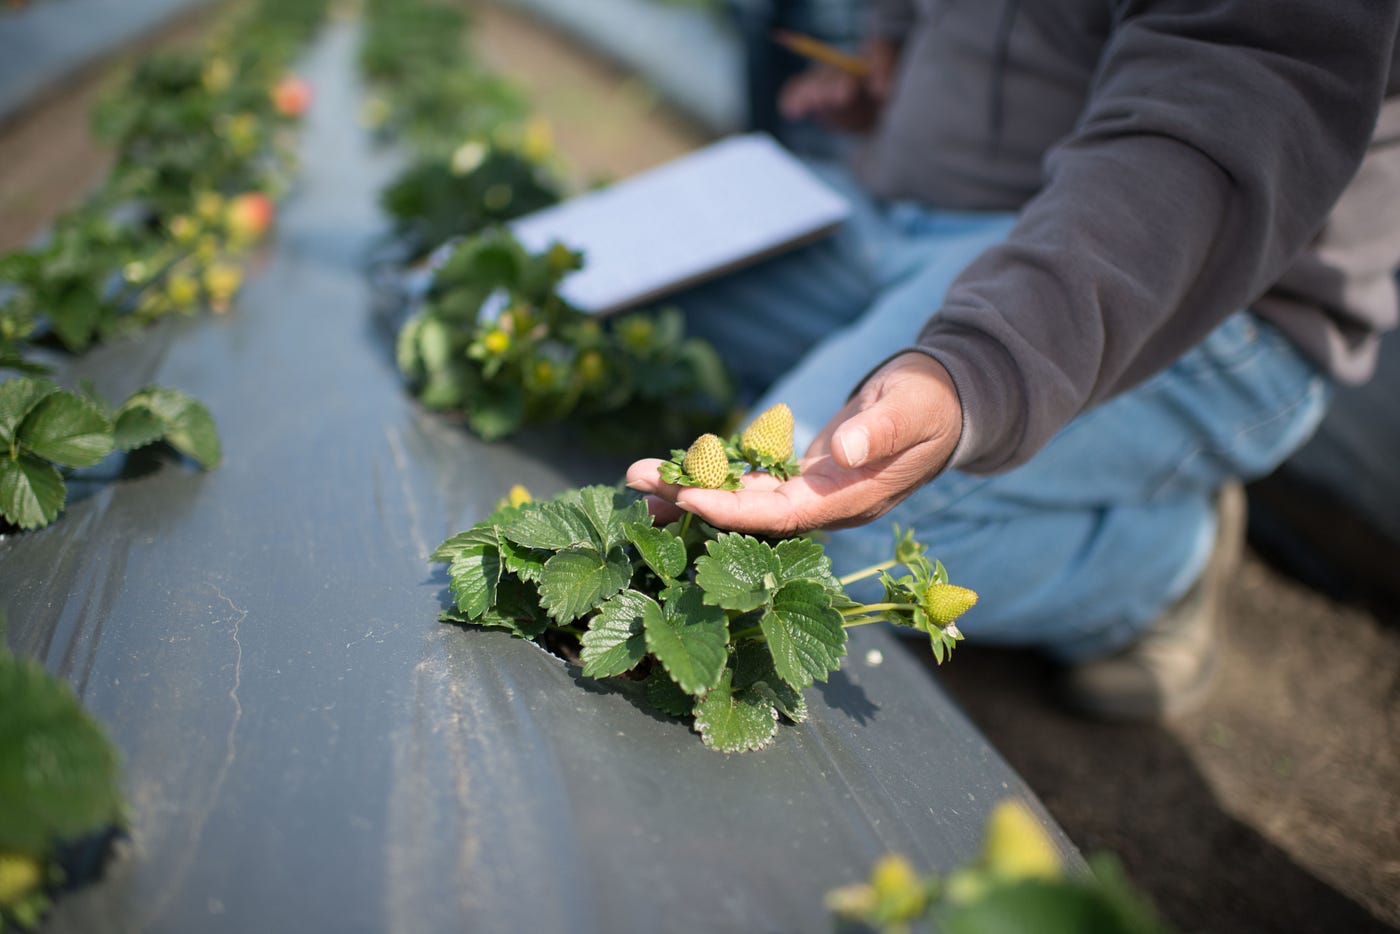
(711, 211)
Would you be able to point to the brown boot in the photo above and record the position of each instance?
(1173, 666)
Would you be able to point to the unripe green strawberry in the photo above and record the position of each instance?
(770, 435)
(944, 603)
(706, 463)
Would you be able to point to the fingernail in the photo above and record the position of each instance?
(640, 485)
(855, 444)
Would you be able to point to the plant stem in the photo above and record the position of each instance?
(873, 608)
(871, 571)
(571, 630)
(753, 632)
(864, 621)
(685, 524)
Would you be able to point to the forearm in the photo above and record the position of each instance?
(1208, 156)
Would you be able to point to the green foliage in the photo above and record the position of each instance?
(59, 781)
(44, 428)
(723, 627)
(494, 341)
(539, 360)
(189, 130)
(477, 187)
(432, 92)
(1017, 884)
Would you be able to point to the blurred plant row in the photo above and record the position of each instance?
(200, 147)
(1016, 884)
(201, 150)
(490, 336)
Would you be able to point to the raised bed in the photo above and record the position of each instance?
(306, 748)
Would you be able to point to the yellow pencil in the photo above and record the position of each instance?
(819, 51)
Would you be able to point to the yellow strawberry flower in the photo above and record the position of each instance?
(221, 281)
(496, 342)
(182, 289)
(209, 206)
(217, 75)
(183, 229)
(537, 141)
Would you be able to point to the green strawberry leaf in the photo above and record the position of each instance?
(616, 638)
(942, 639)
(579, 579)
(804, 634)
(690, 639)
(906, 549)
(526, 563)
(517, 609)
(666, 695)
(738, 572)
(663, 551)
(550, 525)
(31, 491)
(59, 772)
(475, 571)
(804, 559)
(607, 510)
(497, 409)
(67, 429)
(189, 428)
(735, 721)
(453, 546)
(17, 398)
(74, 315)
(1049, 907)
(753, 666)
(673, 471)
(135, 427)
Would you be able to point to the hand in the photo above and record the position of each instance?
(891, 438)
(838, 98)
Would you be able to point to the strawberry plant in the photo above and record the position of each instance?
(59, 781)
(1017, 884)
(45, 429)
(721, 629)
(430, 90)
(478, 186)
(495, 341)
(190, 132)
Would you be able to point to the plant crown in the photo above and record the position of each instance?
(722, 629)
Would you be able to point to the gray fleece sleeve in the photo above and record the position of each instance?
(1216, 137)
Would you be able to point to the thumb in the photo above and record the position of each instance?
(908, 401)
(873, 434)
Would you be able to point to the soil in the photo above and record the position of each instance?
(1276, 808)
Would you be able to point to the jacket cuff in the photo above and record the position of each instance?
(991, 391)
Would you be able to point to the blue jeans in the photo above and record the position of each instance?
(1077, 551)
